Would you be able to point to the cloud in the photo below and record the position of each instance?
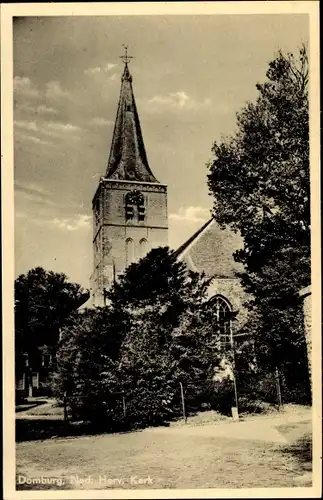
(23, 85)
(99, 69)
(55, 91)
(32, 138)
(30, 187)
(42, 109)
(33, 192)
(52, 129)
(36, 204)
(110, 66)
(175, 101)
(39, 110)
(81, 221)
(92, 71)
(100, 122)
(26, 125)
(62, 127)
(191, 214)
(21, 215)
(21, 82)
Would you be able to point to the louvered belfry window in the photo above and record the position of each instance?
(135, 206)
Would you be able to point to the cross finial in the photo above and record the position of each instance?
(125, 57)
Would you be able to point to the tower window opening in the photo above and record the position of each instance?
(143, 247)
(141, 213)
(129, 212)
(135, 207)
(130, 251)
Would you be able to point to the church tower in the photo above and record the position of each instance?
(130, 204)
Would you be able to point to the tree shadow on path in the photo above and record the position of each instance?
(300, 447)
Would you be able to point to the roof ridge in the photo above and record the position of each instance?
(190, 240)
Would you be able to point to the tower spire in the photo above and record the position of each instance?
(128, 159)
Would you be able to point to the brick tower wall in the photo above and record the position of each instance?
(112, 230)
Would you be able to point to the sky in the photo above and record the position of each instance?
(191, 74)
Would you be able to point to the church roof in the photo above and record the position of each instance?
(128, 159)
(210, 250)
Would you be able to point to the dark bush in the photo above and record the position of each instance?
(222, 399)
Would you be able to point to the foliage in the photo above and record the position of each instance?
(87, 365)
(43, 301)
(156, 332)
(260, 180)
(164, 344)
(198, 352)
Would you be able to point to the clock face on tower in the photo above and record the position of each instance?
(135, 198)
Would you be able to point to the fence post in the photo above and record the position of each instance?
(279, 395)
(65, 408)
(124, 407)
(30, 382)
(183, 402)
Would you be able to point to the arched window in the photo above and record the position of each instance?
(130, 251)
(143, 247)
(222, 313)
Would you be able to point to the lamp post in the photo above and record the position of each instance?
(105, 293)
(235, 414)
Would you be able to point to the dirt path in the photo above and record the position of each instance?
(249, 454)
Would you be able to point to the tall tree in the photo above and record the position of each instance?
(88, 364)
(43, 301)
(156, 332)
(157, 293)
(260, 180)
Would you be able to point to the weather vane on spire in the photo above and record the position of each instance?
(125, 57)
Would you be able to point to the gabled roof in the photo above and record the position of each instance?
(128, 159)
(210, 250)
(180, 251)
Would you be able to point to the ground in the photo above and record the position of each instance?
(263, 451)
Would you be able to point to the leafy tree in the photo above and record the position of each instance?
(198, 352)
(43, 301)
(260, 180)
(157, 293)
(157, 280)
(87, 365)
(156, 332)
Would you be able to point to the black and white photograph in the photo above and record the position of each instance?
(162, 169)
